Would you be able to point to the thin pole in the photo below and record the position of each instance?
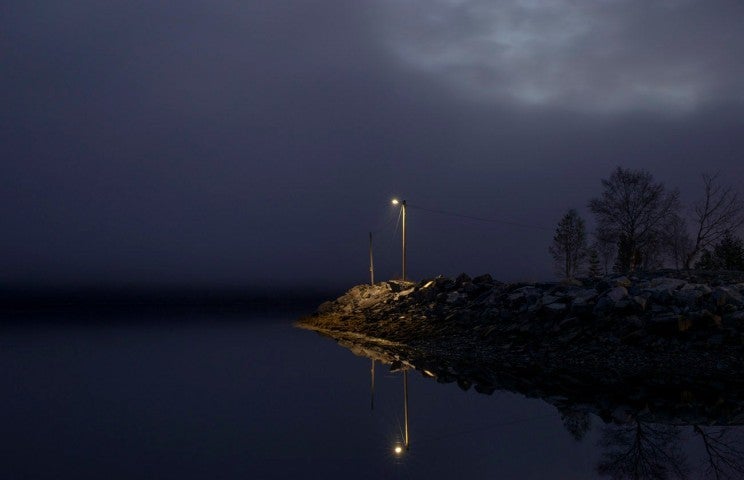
(404, 239)
(371, 262)
(405, 406)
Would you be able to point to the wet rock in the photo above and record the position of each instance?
(464, 384)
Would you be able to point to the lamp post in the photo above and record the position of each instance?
(403, 212)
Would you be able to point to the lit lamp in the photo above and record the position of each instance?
(403, 212)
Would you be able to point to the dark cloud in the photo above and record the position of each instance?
(598, 56)
(247, 142)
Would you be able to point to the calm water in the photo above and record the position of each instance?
(210, 396)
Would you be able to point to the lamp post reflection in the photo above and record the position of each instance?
(398, 449)
(405, 407)
(404, 443)
(372, 386)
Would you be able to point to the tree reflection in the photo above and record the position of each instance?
(576, 423)
(724, 455)
(642, 451)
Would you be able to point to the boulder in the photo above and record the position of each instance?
(455, 298)
(556, 307)
(666, 283)
(727, 296)
(483, 279)
(622, 282)
(639, 302)
(617, 294)
(704, 320)
(667, 324)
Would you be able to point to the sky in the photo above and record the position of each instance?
(246, 143)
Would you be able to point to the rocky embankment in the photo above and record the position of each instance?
(686, 325)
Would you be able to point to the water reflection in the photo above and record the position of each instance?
(723, 452)
(404, 444)
(642, 450)
(649, 428)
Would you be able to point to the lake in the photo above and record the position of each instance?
(247, 395)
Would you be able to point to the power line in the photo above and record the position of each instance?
(480, 219)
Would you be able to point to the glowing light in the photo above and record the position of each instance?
(395, 201)
(398, 450)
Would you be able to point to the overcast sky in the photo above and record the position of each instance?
(258, 142)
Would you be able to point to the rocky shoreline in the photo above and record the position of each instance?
(663, 347)
(667, 324)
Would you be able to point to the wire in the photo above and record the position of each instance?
(486, 427)
(480, 219)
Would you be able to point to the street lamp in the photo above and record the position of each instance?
(403, 211)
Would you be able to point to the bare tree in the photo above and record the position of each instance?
(719, 212)
(606, 247)
(634, 211)
(642, 451)
(724, 456)
(677, 241)
(569, 244)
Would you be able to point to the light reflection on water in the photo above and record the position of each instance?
(226, 397)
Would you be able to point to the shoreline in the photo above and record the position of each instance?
(671, 324)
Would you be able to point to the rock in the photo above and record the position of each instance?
(704, 320)
(556, 307)
(622, 282)
(617, 294)
(397, 286)
(455, 297)
(639, 301)
(326, 307)
(485, 389)
(603, 306)
(666, 283)
(460, 316)
(464, 384)
(548, 299)
(426, 294)
(483, 279)
(667, 324)
(727, 296)
(691, 294)
(397, 296)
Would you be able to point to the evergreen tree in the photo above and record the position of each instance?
(569, 245)
(728, 254)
